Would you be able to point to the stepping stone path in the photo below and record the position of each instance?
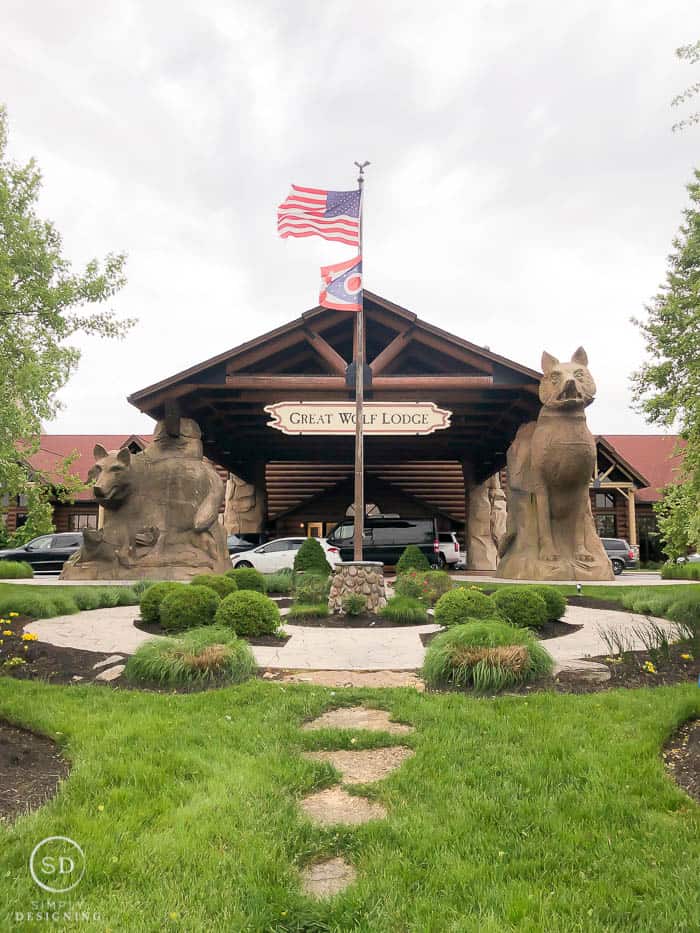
(365, 765)
(358, 717)
(355, 679)
(335, 805)
(112, 673)
(323, 879)
(112, 659)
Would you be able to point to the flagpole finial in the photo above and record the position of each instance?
(362, 166)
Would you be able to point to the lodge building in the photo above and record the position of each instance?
(303, 483)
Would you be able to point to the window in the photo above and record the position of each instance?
(83, 520)
(343, 532)
(274, 546)
(605, 525)
(295, 544)
(604, 500)
(40, 544)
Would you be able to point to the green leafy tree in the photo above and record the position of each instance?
(43, 304)
(691, 54)
(667, 386)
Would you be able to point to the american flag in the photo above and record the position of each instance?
(333, 215)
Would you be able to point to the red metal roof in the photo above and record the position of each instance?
(54, 448)
(654, 455)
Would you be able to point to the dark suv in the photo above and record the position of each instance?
(48, 553)
(386, 538)
(620, 553)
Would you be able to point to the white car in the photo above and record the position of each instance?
(279, 555)
(449, 549)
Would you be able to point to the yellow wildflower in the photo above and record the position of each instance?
(649, 667)
(13, 615)
(8, 632)
(687, 657)
(29, 636)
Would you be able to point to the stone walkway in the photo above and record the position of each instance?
(112, 631)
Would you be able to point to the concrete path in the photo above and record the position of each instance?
(112, 631)
(626, 578)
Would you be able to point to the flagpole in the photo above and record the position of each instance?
(359, 505)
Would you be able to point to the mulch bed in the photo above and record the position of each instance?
(682, 758)
(35, 660)
(268, 641)
(629, 670)
(31, 767)
(548, 630)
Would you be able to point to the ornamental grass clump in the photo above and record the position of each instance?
(221, 583)
(249, 614)
(405, 611)
(311, 557)
(553, 599)
(248, 578)
(189, 607)
(202, 657)
(463, 604)
(15, 570)
(684, 571)
(311, 588)
(520, 606)
(280, 583)
(153, 597)
(486, 656)
(412, 559)
(353, 604)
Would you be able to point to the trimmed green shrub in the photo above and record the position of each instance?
(412, 559)
(485, 655)
(201, 657)
(153, 597)
(308, 611)
(462, 604)
(189, 607)
(248, 578)
(553, 600)
(311, 557)
(520, 606)
(686, 611)
(404, 610)
(280, 583)
(249, 613)
(141, 586)
(353, 604)
(219, 582)
(15, 570)
(311, 588)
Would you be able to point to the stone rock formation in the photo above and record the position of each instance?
(550, 533)
(161, 512)
(486, 524)
(244, 511)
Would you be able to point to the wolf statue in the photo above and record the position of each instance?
(161, 511)
(550, 533)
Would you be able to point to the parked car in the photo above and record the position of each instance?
(237, 545)
(47, 553)
(620, 553)
(449, 554)
(385, 539)
(279, 555)
(689, 559)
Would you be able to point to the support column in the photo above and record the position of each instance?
(631, 519)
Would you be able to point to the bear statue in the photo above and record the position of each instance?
(161, 512)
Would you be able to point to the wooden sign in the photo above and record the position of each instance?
(380, 418)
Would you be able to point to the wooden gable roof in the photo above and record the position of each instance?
(409, 359)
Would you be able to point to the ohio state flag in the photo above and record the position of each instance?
(341, 285)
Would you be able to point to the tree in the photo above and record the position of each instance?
(689, 53)
(43, 303)
(667, 386)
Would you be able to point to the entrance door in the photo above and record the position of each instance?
(314, 530)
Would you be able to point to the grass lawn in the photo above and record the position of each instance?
(539, 813)
(591, 591)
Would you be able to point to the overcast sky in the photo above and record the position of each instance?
(524, 190)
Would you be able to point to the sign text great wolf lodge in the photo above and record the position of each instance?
(339, 417)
